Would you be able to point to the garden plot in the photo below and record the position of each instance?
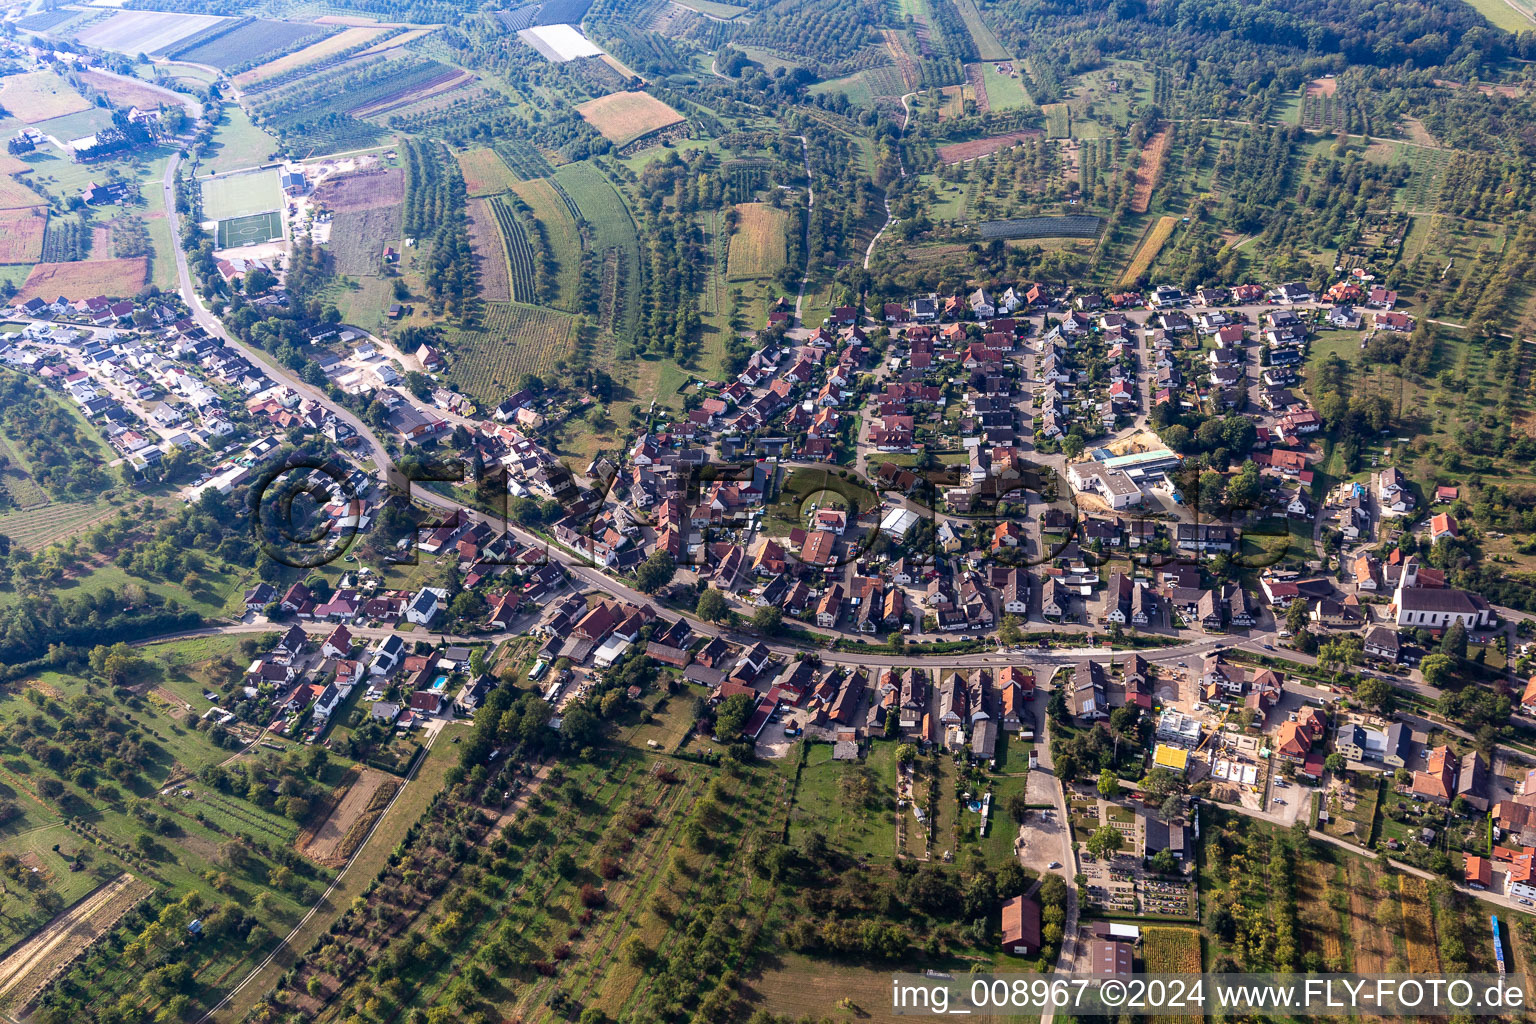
(145, 31)
(230, 196)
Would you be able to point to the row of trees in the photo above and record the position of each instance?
(435, 209)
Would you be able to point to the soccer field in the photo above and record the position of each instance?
(252, 230)
(229, 196)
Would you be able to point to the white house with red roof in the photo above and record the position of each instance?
(338, 644)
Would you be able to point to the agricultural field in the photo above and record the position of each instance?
(799, 986)
(162, 263)
(311, 54)
(394, 42)
(40, 96)
(952, 101)
(21, 235)
(14, 195)
(151, 32)
(959, 152)
(1157, 236)
(247, 43)
(113, 278)
(315, 116)
(126, 92)
(490, 251)
(228, 196)
(1418, 926)
(1149, 169)
(560, 233)
(855, 88)
(1506, 14)
(35, 528)
(485, 172)
(365, 190)
(358, 239)
(355, 805)
(757, 247)
(724, 12)
(1171, 950)
(1058, 120)
(510, 340)
(254, 229)
(47, 20)
(23, 492)
(446, 82)
(988, 47)
(626, 116)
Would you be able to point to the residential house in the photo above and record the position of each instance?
(1437, 783)
(1089, 686)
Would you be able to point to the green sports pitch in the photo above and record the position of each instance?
(252, 230)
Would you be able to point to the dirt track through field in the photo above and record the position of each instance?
(35, 962)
